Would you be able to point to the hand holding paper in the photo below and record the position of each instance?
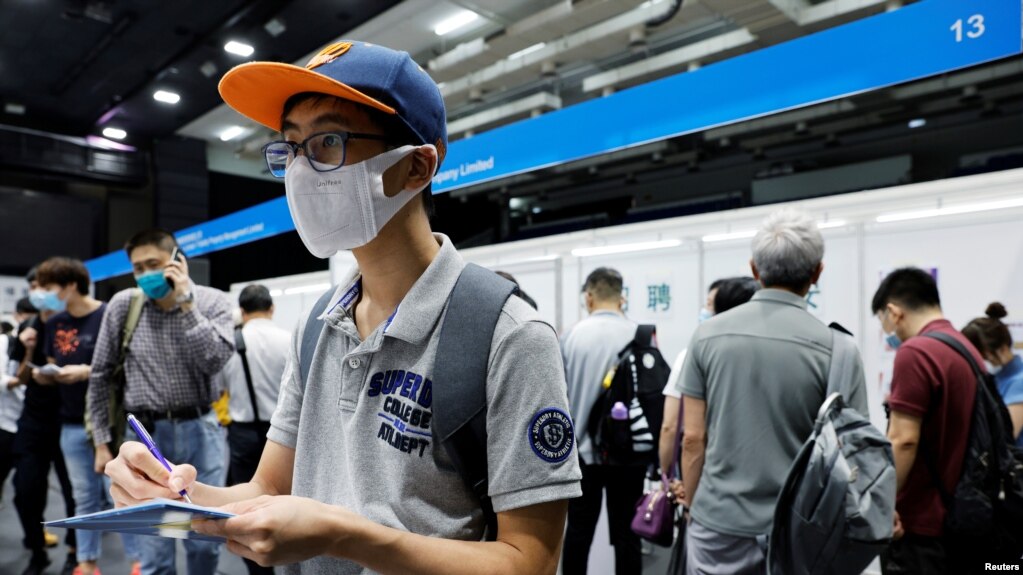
(283, 528)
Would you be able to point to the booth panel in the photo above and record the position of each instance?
(975, 262)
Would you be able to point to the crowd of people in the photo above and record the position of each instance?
(751, 383)
(171, 349)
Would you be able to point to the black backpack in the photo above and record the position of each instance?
(985, 511)
(463, 353)
(637, 381)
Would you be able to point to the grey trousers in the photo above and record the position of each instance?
(712, 553)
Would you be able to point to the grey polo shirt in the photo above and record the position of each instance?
(762, 369)
(361, 430)
(590, 349)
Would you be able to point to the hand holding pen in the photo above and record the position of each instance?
(144, 436)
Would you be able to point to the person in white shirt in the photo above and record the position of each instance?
(12, 393)
(253, 379)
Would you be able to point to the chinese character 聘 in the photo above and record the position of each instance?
(658, 297)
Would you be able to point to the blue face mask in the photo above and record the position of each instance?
(893, 340)
(46, 300)
(153, 284)
(37, 298)
(704, 315)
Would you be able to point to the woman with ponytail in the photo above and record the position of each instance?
(992, 339)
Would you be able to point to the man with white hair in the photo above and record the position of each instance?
(753, 380)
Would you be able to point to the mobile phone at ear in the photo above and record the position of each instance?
(174, 257)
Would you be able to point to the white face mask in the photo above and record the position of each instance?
(344, 208)
(992, 368)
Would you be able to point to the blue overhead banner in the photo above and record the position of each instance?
(923, 39)
(261, 221)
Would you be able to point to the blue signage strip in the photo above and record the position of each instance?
(924, 39)
(261, 221)
(916, 41)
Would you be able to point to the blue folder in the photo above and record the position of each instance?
(160, 517)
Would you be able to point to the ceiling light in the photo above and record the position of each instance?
(528, 50)
(208, 69)
(539, 259)
(951, 211)
(275, 27)
(917, 123)
(741, 235)
(114, 133)
(14, 109)
(625, 248)
(306, 289)
(231, 133)
(831, 224)
(276, 293)
(239, 49)
(463, 18)
(166, 97)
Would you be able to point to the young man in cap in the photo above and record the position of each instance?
(351, 480)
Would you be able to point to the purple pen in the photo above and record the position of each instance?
(151, 445)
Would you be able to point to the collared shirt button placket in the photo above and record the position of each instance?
(354, 362)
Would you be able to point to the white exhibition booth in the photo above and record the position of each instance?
(968, 229)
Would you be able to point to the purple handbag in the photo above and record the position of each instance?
(655, 511)
(655, 516)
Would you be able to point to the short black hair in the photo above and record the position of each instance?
(255, 298)
(911, 288)
(63, 271)
(24, 305)
(6, 327)
(398, 133)
(31, 275)
(716, 284)
(159, 238)
(520, 292)
(604, 283)
(733, 292)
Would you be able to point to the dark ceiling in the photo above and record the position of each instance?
(77, 66)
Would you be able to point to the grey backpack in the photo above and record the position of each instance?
(835, 512)
(460, 374)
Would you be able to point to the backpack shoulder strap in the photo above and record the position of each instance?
(959, 348)
(131, 321)
(239, 346)
(460, 377)
(311, 336)
(844, 354)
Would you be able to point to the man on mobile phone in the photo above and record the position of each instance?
(184, 336)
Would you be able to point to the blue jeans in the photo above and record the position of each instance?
(202, 443)
(90, 491)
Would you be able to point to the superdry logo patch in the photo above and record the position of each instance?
(406, 411)
(551, 435)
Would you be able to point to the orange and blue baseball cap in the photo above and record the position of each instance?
(381, 78)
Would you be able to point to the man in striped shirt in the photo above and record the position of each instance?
(184, 336)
